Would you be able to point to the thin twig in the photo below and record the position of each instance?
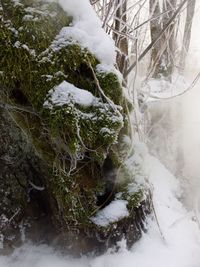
(156, 40)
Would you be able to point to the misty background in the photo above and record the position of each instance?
(175, 134)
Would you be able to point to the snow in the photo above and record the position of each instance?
(66, 93)
(87, 31)
(115, 211)
(16, 2)
(179, 246)
(161, 89)
(102, 68)
(28, 17)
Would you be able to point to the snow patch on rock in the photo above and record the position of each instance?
(114, 212)
(65, 93)
(87, 31)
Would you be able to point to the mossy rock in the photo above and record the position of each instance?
(23, 208)
(81, 146)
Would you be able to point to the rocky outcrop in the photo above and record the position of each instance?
(65, 160)
(24, 207)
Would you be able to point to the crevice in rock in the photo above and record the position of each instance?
(109, 173)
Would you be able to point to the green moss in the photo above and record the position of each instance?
(111, 85)
(76, 197)
(92, 128)
(72, 140)
(133, 198)
(21, 39)
(35, 23)
(32, 127)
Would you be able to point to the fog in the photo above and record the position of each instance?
(178, 121)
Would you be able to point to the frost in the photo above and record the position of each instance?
(114, 212)
(102, 68)
(35, 11)
(17, 3)
(31, 51)
(106, 131)
(13, 30)
(30, 18)
(61, 40)
(17, 44)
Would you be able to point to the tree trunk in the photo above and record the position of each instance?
(121, 41)
(162, 56)
(187, 33)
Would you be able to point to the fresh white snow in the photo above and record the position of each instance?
(66, 93)
(87, 31)
(115, 211)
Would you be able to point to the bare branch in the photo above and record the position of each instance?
(156, 40)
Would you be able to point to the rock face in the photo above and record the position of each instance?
(64, 162)
(22, 207)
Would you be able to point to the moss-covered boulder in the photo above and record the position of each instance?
(75, 117)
